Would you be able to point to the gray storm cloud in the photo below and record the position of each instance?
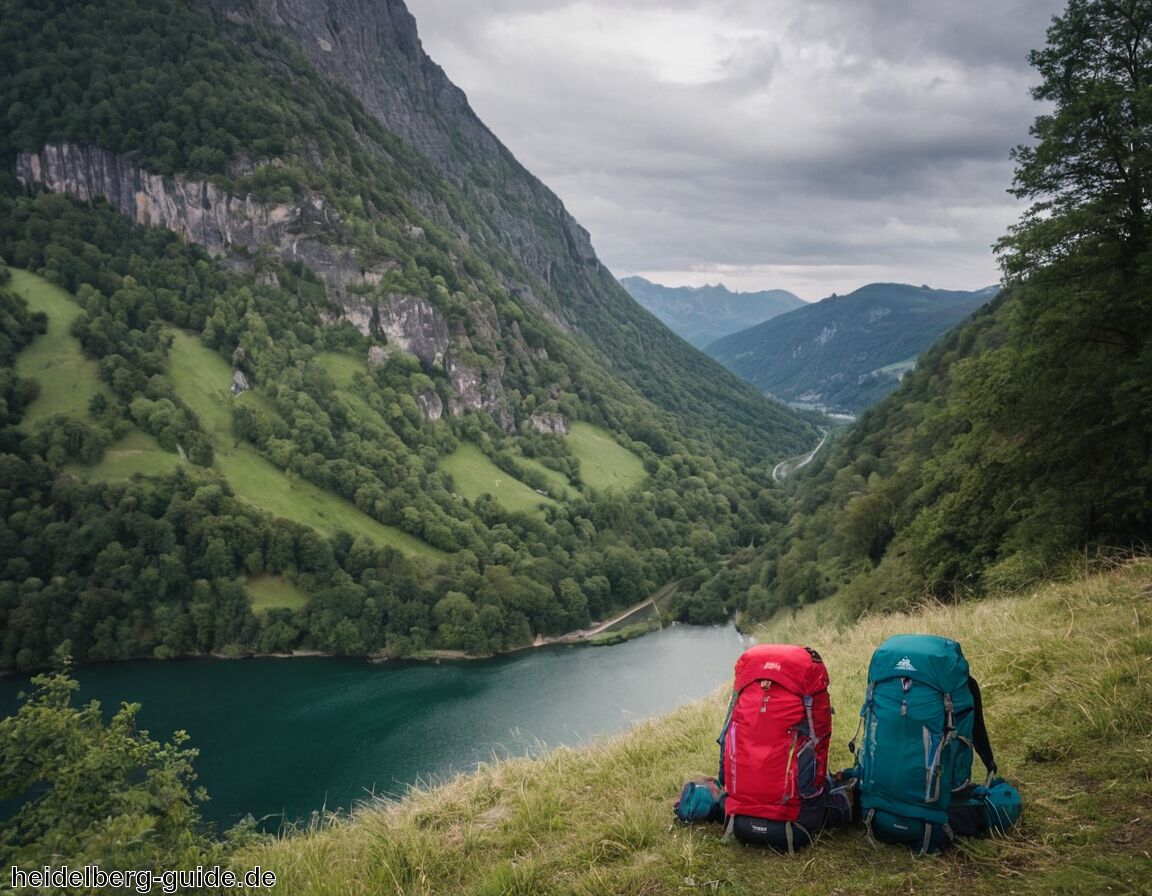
(812, 146)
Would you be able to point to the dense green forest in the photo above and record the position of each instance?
(115, 566)
(157, 566)
(1023, 441)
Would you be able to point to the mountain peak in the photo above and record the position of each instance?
(845, 352)
(703, 314)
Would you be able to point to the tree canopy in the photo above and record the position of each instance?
(84, 790)
(1089, 170)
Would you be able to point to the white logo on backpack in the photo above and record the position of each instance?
(905, 665)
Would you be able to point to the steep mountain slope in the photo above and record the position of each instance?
(844, 353)
(292, 200)
(702, 314)
(370, 157)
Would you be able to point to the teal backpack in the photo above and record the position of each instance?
(922, 722)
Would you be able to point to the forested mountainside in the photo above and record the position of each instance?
(845, 353)
(385, 395)
(1023, 441)
(702, 314)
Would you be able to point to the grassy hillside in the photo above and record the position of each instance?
(604, 463)
(474, 475)
(274, 593)
(67, 378)
(201, 378)
(136, 454)
(1067, 676)
(388, 224)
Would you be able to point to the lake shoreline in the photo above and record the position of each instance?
(596, 636)
(287, 736)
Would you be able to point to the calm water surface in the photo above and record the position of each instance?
(290, 736)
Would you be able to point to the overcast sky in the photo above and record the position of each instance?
(810, 145)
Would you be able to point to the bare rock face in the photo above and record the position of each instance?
(549, 422)
(479, 389)
(430, 405)
(199, 211)
(414, 324)
(372, 48)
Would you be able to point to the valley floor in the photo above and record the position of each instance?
(1066, 673)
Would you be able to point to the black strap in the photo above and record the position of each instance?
(723, 734)
(979, 730)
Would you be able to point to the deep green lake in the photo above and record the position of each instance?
(286, 737)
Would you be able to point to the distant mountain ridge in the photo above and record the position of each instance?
(844, 353)
(703, 314)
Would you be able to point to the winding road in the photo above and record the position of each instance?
(787, 467)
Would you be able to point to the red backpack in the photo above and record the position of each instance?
(774, 746)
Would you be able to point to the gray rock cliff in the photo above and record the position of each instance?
(372, 48)
(199, 211)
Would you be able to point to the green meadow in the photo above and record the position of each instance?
(604, 462)
(274, 593)
(475, 475)
(67, 378)
(341, 366)
(203, 379)
(556, 480)
(136, 453)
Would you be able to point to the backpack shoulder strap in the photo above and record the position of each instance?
(980, 740)
(724, 733)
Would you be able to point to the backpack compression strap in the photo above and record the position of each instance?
(980, 740)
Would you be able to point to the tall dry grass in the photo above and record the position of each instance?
(1066, 672)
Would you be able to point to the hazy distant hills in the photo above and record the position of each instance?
(703, 314)
(844, 353)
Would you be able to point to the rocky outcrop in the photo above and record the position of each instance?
(411, 323)
(372, 48)
(239, 382)
(476, 388)
(549, 422)
(430, 404)
(201, 212)
(414, 324)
